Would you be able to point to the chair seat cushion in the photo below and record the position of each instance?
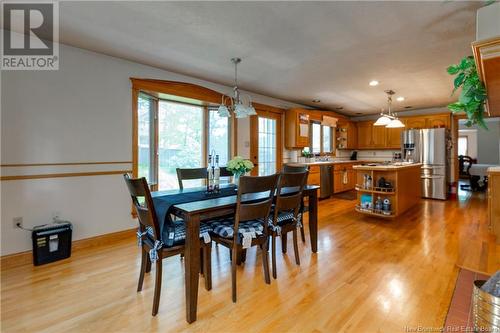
(225, 227)
(179, 228)
(284, 218)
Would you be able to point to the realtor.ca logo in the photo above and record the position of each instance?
(30, 35)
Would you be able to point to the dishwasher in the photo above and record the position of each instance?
(326, 181)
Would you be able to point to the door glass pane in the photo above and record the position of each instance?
(316, 138)
(327, 139)
(180, 133)
(145, 130)
(218, 136)
(462, 145)
(267, 146)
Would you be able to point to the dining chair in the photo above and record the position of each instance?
(197, 173)
(303, 208)
(286, 210)
(249, 225)
(153, 241)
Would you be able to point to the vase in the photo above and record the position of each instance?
(236, 178)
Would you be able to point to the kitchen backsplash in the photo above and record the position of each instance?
(290, 156)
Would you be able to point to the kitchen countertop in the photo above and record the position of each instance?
(330, 162)
(387, 167)
(495, 169)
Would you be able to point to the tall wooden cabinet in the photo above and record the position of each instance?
(494, 202)
(487, 55)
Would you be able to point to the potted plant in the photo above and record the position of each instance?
(239, 166)
(308, 156)
(472, 98)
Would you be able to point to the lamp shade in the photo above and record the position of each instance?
(383, 121)
(395, 123)
(223, 111)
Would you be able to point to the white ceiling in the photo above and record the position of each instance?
(297, 51)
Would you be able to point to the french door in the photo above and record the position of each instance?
(266, 143)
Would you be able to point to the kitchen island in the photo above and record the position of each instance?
(387, 190)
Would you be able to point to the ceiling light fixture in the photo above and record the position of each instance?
(316, 101)
(389, 120)
(400, 99)
(373, 83)
(238, 106)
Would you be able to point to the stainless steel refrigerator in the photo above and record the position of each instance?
(429, 147)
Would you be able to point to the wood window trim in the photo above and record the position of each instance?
(254, 136)
(332, 134)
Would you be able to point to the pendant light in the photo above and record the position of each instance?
(389, 120)
(240, 106)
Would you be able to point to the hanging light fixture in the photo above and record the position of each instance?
(240, 106)
(389, 120)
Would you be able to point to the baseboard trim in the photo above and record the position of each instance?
(26, 258)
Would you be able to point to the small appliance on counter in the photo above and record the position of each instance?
(354, 156)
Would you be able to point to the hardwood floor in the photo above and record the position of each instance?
(369, 275)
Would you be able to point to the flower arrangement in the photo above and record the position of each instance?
(239, 166)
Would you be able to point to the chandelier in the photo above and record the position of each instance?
(389, 120)
(240, 105)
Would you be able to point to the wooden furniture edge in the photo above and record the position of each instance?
(66, 174)
(24, 258)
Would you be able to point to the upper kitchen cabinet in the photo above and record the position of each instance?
(364, 134)
(427, 121)
(394, 137)
(347, 135)
(371, 137)
(296, 128)
(487, 55)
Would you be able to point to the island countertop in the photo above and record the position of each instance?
(387, 167)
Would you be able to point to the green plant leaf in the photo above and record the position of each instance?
(459, 80)
(453, 69)
(456, 107)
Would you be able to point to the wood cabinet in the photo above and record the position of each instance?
(418, 122)
(314, 175)
(296, 128)
(494, 202)
(371, 137)
(346, 135)
(344, 177)
(487, 55)
(394, 137)
(381, 137)
(365, 134)
(427, 121)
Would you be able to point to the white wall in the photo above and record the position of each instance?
(488, 141)
(488, 22)
(80, 113)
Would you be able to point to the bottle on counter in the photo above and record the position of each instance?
(210, 175)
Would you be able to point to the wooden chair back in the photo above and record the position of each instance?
(254, 199)
(289, 193)
(143, 203)
(197, 173)
(295, 168)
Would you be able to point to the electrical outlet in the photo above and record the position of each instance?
(18, 222)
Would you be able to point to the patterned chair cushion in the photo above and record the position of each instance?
(224, 227)
(283, 218)
(180, 232)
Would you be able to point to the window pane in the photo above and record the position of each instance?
(218, 136)
(145, 111)
(180, 133)
(267, 146)
(327, 139)
(316, 138)
(462, 145)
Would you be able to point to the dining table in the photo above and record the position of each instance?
(206, 207)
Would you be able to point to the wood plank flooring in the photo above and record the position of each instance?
(369, 275)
